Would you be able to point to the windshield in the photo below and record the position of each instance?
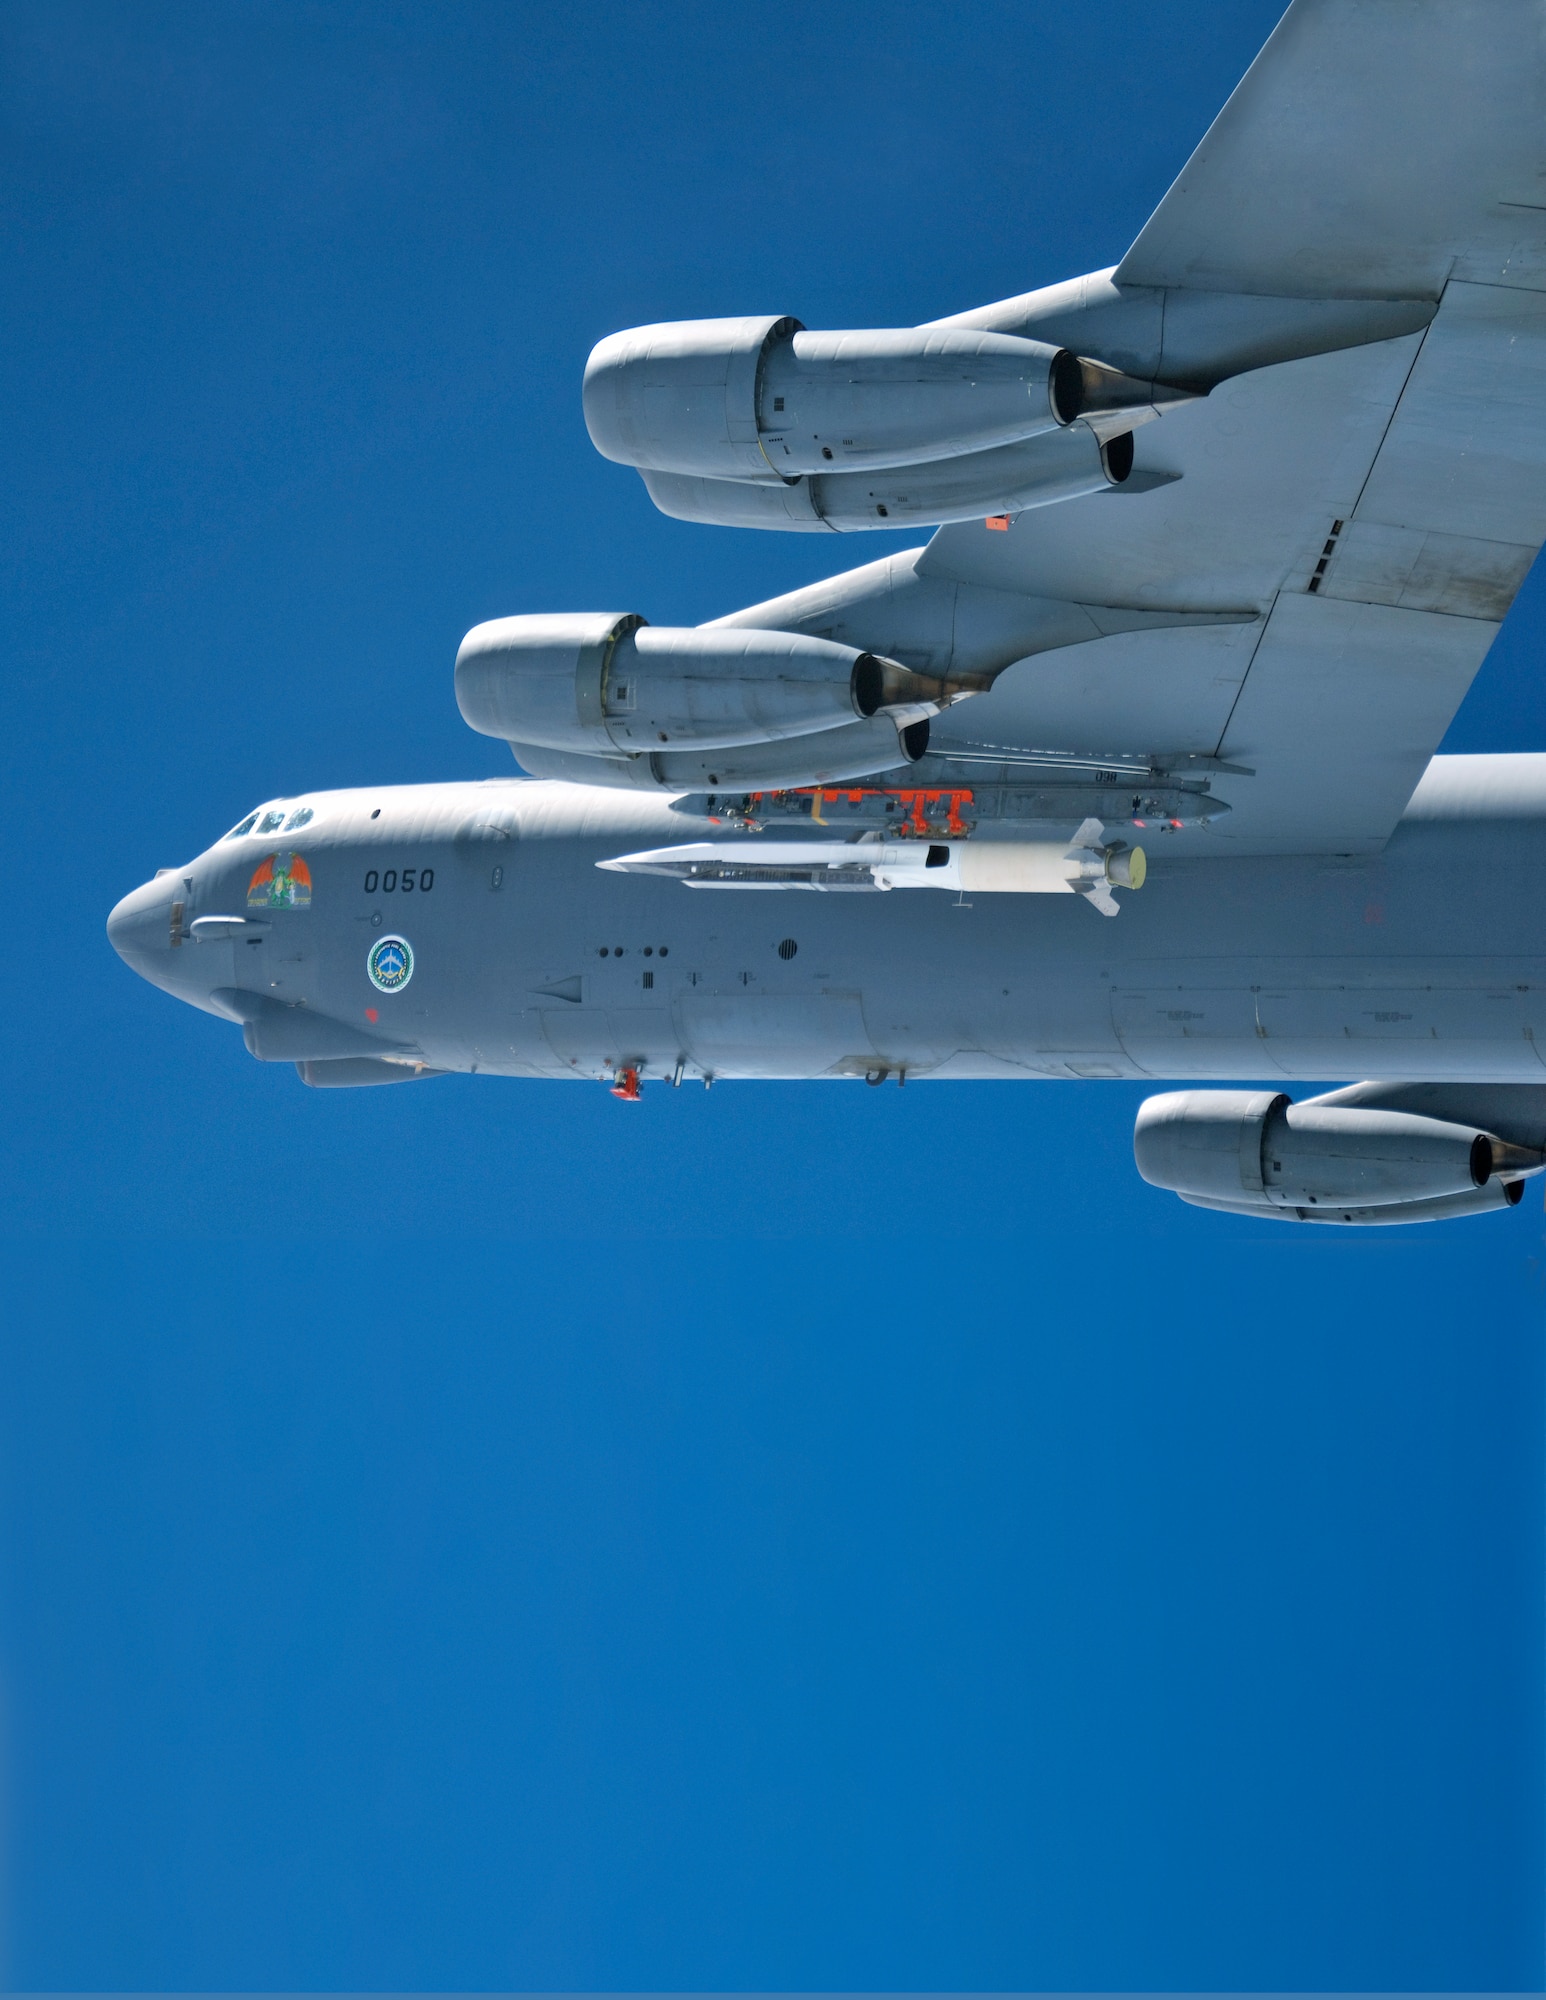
(273, 819)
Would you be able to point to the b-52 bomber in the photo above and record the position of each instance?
(1127, 771)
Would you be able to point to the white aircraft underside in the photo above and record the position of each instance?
(1229, 530)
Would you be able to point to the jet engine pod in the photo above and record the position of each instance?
(862, 400)
(602, 684)
(683, 396)
(1010, 479)
(524, 676)
(1255, 1146)
(832, 757)
(764, 400)
(1443, 1208)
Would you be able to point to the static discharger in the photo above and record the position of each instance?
(1089, 866)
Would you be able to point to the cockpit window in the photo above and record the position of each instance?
(269, 819)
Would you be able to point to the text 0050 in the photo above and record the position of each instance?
(391, 879)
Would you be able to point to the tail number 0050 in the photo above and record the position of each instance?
(390, 879)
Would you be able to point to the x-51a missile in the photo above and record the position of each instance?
(1089, 867)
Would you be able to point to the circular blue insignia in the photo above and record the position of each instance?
(390, 964)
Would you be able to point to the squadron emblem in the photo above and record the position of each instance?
(390, 964)
(280, 882)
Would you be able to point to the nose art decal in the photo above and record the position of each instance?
(280, 882)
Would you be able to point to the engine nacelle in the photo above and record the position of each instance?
(1011, 479)
(1443, 1208)
(763, 399)
(1244, 1147)
(831, 757)
(598, 684)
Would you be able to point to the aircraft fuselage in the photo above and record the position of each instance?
(1424, 962)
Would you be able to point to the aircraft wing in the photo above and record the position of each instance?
(1375, 148)
(1257, 499)
(1376, 507)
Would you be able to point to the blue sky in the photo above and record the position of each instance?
(489, 1536)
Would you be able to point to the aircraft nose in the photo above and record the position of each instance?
(140, 927)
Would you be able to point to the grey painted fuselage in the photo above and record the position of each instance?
(1425, 962)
